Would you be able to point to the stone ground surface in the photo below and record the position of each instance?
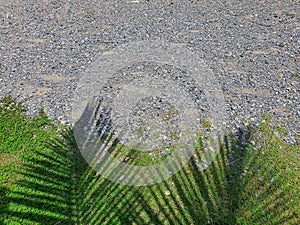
(252, 47)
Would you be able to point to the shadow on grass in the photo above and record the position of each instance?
(3, 202)
(58, 187)
(200, 196)
(45, 193)
(230, 191)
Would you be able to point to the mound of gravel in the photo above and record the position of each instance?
(252, 47)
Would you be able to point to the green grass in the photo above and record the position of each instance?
(36, 168)
(44, 180)
(136, 156)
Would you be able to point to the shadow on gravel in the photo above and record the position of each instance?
(62, 189)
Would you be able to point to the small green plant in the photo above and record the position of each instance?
(175, 135)
(171, 114)
(297, 75)
(206, 124)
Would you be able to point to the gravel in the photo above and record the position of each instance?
(251, 46)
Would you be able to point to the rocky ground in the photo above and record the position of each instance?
(252, 47)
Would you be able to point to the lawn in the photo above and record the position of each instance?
(44, 180)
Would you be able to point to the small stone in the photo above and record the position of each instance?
(277, 134)
(261, 180)
(280, 45)
(126, 159)
(167, 192)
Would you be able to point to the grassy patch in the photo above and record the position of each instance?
(44, 180)
(36, 168)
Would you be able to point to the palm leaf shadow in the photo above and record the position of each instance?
(60, 187)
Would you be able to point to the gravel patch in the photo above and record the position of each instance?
(251, 46)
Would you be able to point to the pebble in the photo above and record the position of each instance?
(261, 180)
(167, 192)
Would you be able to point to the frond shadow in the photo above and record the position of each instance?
(60, 187)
